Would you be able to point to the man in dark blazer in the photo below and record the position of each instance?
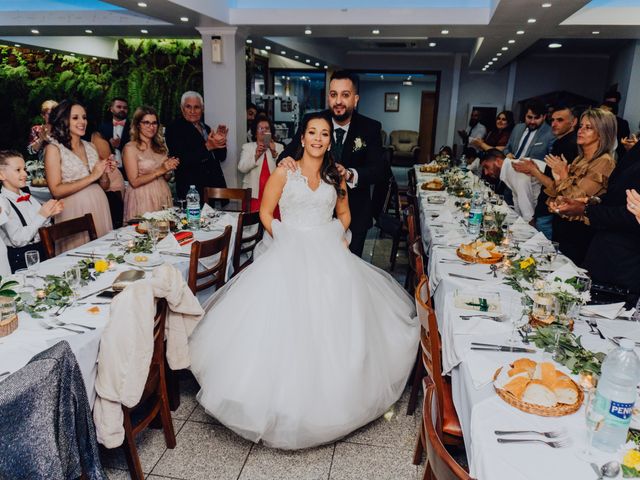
(613, 258)
(533, 138)
(199, 149)
(357, 150)
(116, 131)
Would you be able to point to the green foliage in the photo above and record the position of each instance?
(570, 351)
(147, 72)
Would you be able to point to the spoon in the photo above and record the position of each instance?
(494, 269)
(609, 469)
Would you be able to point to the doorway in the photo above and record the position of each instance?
(427, 129)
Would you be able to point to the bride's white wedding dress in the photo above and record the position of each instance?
(308, 343)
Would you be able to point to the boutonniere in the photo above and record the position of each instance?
(358, 144)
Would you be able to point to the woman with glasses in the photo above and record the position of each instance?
(258, 159)
(147, 165)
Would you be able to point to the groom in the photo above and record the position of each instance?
(357, 150)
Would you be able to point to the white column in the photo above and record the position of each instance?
(630, 98)
(224, 93)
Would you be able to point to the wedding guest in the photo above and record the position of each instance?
(252, 113)
(258, 159)
(587, 176)
(75, 173)
(633, 203)
(498, 137)
(147, 165)
(475, 128)
(39, 134)
(199, 149)
(115, 192)
(116, 129)
(24, 212)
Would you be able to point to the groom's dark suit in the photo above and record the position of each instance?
(361, 151)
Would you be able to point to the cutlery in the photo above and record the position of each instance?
(497, 318)
(60, 323)
(60, 310)
(616, 340)
(453, 260)
(553, 444)
(494, 270)
(81, 255)
(94, 303)
(609, 469)
(594, 328)
(176, 254)
(52, 327)
(457, 275)
(551, 434)
(503, 349)
(94, 293)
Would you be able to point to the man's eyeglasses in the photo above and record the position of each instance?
(147, 123)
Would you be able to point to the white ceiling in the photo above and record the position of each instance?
(480, 28)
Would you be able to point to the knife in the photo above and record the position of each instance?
(457, 275)
(176, 254)
(504, 349)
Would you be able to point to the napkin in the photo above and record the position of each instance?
(609, 311)
(168, 244)
(519, 224)
(453, 238)
(483, 366)
(618, 328)
(445, 217)
(207, 210)
(566, 271)
(534, 243)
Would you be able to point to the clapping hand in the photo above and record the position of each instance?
(629, 142)
(633, 203)
(112, 164)
(565, 206)
(526, 166)
(100, 168)
(51, 208)
(170, 164)
(217, 139)
(559, 166)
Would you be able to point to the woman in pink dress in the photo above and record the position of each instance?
(75, 173)
(147, 165)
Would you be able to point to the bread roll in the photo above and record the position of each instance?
(546, 373)
(565, 391)
(517, 385)
(538, 393)
(527, 364)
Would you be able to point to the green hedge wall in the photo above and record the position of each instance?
(151, 72)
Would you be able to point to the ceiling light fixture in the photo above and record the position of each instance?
(268, 47)
(94, 58)
(283, 52)
(249, 41)
(375, 32)
(520, 32)
(498, 54)
(595, 32)
(308, 61)
(88, 31)
(531, 20)
(142, 4)
(445, 32)
(144, 31)
(47, 50)
(489, 63)
(184, 19)
(326, 67)
(495, 59)
(307, 31)
(511, 41)
(504, 49)
(296, 56)
(17, 45)
(432, 44)
(555, 45)
(35, 32)
(546, 5)
(317, 64)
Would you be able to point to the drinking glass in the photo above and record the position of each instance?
(593, 418)
(517, 312)
(182, 202)
(153, 230)
(32, 259)
(73, 276)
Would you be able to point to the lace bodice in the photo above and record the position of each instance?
(71, 166)
(302, 207)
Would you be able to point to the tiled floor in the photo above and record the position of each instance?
(382, 450)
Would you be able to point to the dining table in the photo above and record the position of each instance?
(81, 324)
(480, 410)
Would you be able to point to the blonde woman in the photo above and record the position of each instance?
(39, 135)
(586, 177)
(147, 165)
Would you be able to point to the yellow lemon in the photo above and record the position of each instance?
(101, 266)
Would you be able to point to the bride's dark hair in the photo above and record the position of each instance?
(328, 170)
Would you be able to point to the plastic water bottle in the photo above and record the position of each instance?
(616, 395)
(475, 214)
(193, 207)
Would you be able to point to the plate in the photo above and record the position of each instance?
(144, 260)
(436, 199)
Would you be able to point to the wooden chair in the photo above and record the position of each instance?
(440, 464)
(244, 245)
(217, 273)
(415, 253)
(212, 194)
(418, 373)
(412, 181)
(154, 401)
(390, 221)
(49, 235)
(447, 423)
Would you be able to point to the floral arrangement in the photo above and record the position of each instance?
(566, 293)
(35, 168)
(160, 216)
(358, 144)
(521, 273)
(142, 244)
(631, 459)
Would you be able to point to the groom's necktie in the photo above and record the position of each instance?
(338, 144)
(523, 144)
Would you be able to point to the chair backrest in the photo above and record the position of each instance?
(412, 181)
(403, 139)
(49, 235)
(416, 264)
(244, 244)
(412, 225)
(216, 274)
(158, 356)
(439, 461)
(430, 341)
(242, 194)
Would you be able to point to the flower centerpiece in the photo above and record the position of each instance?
(568, 298)
(165, 220)
(493, 222)
(35, 168)
(458, 183)
(8, 316)
(521, 273)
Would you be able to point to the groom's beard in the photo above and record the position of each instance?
(345, 116)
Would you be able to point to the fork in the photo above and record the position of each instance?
(60, 310)
(53, 327)
(60, 323)
(593, 325)
(551, 434)
(497, 318)
(553, 444)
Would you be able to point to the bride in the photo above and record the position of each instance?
(310, 342)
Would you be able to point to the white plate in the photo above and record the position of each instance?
(152, 260)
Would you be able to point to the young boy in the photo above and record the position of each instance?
(25, 214)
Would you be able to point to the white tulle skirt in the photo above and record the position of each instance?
(307, 344)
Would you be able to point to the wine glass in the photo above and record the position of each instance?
(517, 311)
(182, 202)
(32, 259)
(594, 419)
(73, 276)
(153, 230)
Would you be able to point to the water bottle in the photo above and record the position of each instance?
(475, 215)
(463, 163)
(193, 207)
(616, 396)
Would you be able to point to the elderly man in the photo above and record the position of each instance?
(199, 148)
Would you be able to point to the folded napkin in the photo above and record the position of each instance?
(566, 271)
(453, 238)
(519, 224)
(619, 328)
(183, 237)
(207, 211)
(445, 217)
(535, 242)
(168, 244)
(609, 311)
(482, 366)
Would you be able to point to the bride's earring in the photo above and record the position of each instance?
(303, 145)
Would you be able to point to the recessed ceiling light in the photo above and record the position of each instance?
(375, 32)
(184, 19)
(17, 45)
(296, 56)
(498, 54)
(249, 41)
(94, 58)
(326, 67)
(445, 32)
(283, 52)
(432, 44)
(35, 32)
(47, 50)
(489, 63)
(142, 4)
(596, 32)
(546, 5)
(88, 31)
(72, 54)
(263, 52)
(511, 41)
(144, 31)
(555, 45)
(307, 31)
(520, 32)
(381, 77)
(308, 61)
(268, 47)
(504, 49)
(484, 69)
(495, 59)
(317, 64)
(531, 20)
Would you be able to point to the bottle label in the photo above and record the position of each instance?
(193, 212)
(475, 218)
(616, 414)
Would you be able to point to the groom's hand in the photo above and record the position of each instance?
(288, 163)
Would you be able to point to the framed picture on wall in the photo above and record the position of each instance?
(392, 102)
